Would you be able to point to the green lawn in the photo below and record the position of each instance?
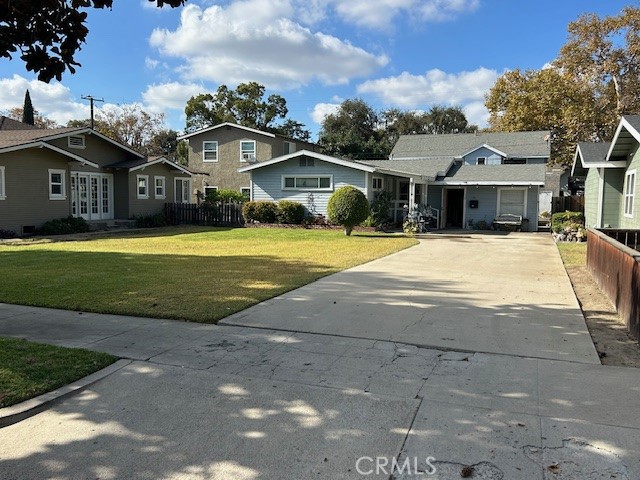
(573, 254)
(29, 369)
(193, 273)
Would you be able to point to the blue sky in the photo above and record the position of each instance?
(410, 54)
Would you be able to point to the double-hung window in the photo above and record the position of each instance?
(209, 151)
(377, 184)
(629, 192)
(142, 186)
(57, 190)
(247, 150)
(160, 187)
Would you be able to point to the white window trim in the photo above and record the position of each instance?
(526, 198)
(627, 195)
(3, 192)
(255, 150)
(70, 145)
(175, 190)
(63, 184)
(373, 182)
(478, 160)
(204, 151)
(144, 196)
(246, 188)
(308, 189)
(204, 189)
(155, 187)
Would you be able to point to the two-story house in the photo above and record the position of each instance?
(217, 152)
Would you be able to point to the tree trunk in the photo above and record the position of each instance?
(348, 230)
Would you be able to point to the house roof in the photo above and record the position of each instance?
(588, 155)
(228, 125)
(307, 153)
(142, 163)
(627, 135)
(513, 144)
(432, 167)
(7, 123)
(531, 174)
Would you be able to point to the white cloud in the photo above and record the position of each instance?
(435, 87)
(441, 10)
(321, 110)
(53, 100)
(170, 96)
(151, 63)
(226, 45)
(476, 113)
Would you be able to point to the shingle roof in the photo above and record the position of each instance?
(431, 167)
(10, 138)
(594, 152)
(634, 121)
(7, 123)
(499, 174)
(514, 144)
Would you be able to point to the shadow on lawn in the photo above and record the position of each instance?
(192, 288)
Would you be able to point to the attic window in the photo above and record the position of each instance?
(481, 160)
(76, 141)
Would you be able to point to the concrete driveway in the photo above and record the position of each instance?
(482, 293)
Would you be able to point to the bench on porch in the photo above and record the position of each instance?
(508, 221)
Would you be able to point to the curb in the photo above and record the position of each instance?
(29, 408)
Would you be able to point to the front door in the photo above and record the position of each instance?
(454, 204)
(182, 190)
(92, 195)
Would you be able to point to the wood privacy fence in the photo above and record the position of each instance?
(574, 203)
(219, 214)
(616, 269)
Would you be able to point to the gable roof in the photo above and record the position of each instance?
(142, 163)
(7, 123)
(589, 155)
(531, 174)
(513, 144)
(307, 153)
(626, 137)
(228, 125)
(432, 167)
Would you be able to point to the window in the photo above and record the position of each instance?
(76, 141)
(57, 190)
(209, 151)
(512, 201)
(247, 150)
(207, 190)
(481, 161)
(376, 184)
(289, 147)
(307, 162)
(629, 192)
(160, 187)
(246, 193)
(3, 194)
(182, 192)
(142, 186)
(307, 183)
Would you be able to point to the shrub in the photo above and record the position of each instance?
(7, 233)
(380, 207)
(64, 226)
(225, 195)
(262, 212)
(562, 220)
(348, 207)
(290, 212)
(153, 220)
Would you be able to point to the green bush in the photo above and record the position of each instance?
(562, 220)
(290, 212)
(348, 207)
(225, 195)
(262, 212)
(380, 207)
(151, 221)
(63, 226)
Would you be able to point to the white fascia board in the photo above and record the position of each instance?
(226, 124)
(161, 160)
(308, 153)
(488, 183)
(488, 147)
(41, 144)
(623, 124)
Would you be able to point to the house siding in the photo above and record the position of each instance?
(591, 194)
(223, 173)
(96, 150)
(27, 200)
(267, 183)
(491, 156)
(612, 210)
(151, 205)
(634, 222)
(487, 210)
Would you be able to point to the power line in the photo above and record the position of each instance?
(92, 99)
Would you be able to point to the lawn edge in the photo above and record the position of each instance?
(28, 408)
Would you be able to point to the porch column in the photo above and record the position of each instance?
(412, 194)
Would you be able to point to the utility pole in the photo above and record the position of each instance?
(91, 100)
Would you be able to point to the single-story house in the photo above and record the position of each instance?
(53, 173)
(464, 178)
(611, 177)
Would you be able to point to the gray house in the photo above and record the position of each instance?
(54, 173)
(489, 176)
(611, 177)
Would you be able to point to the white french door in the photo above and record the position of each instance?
(182, 190)
(92, 195)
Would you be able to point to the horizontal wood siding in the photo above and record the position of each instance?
(591, 194)
(487, 198)
(612, 209)
(472, 158)
(267, 183)
(634, 222)
(139, 206)
(96, 150)
(27, 189)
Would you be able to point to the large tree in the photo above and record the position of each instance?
(354, 132)
(245, 105)
(40, 121)
(28, 113)
(438, 120)
(48, 33)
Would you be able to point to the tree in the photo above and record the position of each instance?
(39, 121)
(354, 132)
(163, 142)
(348, 207)
(292, 129)
(438, 120)
(48, 33)
(245, 106)
(443, 119)
(27, 110)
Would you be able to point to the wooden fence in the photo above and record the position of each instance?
(629, 238)
(616, 269)
(574, 203)
(215, 215)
